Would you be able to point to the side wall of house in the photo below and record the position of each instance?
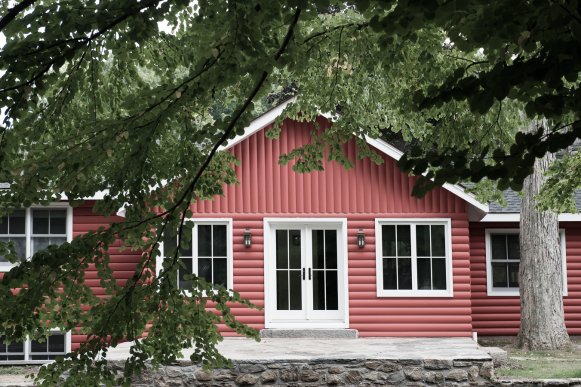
(360, 194)
(500, 316)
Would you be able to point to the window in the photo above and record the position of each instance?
(34, 229)
(503, 260)
(57, 344)
(413, 258)
(209, 254)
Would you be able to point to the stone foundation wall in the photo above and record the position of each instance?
(326, 372)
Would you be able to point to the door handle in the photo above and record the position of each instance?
(303, 273)
(309, 273)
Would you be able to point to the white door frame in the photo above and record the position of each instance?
(270, 320)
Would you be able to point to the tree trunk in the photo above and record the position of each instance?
(540, 273)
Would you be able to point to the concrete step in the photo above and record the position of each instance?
(309, 333)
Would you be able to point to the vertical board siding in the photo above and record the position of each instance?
(361, 194)
(500, 316)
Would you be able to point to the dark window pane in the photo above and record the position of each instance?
(389, 273)
(404, 244)
(424, 275)
(295, 290)
(499, 278)
(40, 221)
(15, 357)
(15, 347)
(404, 268)
(4, 225)
(438, 241)
(332, 290)
(498, 242)
(169, 245)
(513, 246)
(58, 221)
(513, 274)
(318, 249)
(388, 241)
(204, 240)
(57, 240)
(17, 222)
(221, 271)
(183, 271)
(37, 346)
(205, 269)
(318, 289)
(423, 240)
(19, 246)
(281, 249)
(331, 249)
(39, 357)
(220, 241)
(295, 249)
(282, 290)
(186, 244)
(39, 243)
(439, 273)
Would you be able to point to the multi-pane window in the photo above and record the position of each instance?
(34, 350)
(413, 258)
(208, 255)
(503, 261)
(13, 229)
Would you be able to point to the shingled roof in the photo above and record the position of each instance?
(513, 201)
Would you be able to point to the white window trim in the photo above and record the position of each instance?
(515, 292)
(229, 248)
(414, 292)
(6, 266)
(27, 351)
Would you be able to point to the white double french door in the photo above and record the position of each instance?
(305, 263)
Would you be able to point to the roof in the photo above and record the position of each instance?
(513, 202)
(270, 116)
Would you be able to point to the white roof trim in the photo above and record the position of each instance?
(270, 116)
(514, 217)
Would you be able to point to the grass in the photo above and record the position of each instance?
(541, 365)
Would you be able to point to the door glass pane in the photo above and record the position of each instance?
(404, 245)
(513, 274)
(220, 272)
(423, 240)
(319, 290)
(282, 290)
(424, 275)
(17, 222)
(331, 249)
(295, 249)
(388, 240)
(296, 297)
(281, 249)
(219, 241)
(204, 240)
(439, 273)
(389, 273)
(438, 241)
(40, 221)
(58, 221)
(332, 290)
(499, 276)
(498, 242)
(205, 269)
(513, 246)
(318, 249)
(185, 270)
(405, 273)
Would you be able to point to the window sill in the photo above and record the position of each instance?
(415, 293)
(510, 292)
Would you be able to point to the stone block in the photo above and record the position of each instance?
(487, 370)
(389, 366)
(415, 373)
(250, 368)
(336, 369)
(268, 376)
(396, 377)
(457, 375)
(372, 364)
(289, 375)
(334, 380)
(353, 377)
(309, 376)
(203, 376)
(438, 364)
(246, 380)
(473, 372)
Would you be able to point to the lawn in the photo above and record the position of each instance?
(541, 365)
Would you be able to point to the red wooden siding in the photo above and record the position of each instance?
(500, 316)
(122, 262)
(361, 194)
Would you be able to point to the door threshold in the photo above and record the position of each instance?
(309, 333)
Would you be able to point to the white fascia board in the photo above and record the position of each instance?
(513, 217)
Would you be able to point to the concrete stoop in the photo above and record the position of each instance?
(309, 333)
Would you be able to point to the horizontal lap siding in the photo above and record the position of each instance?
(500, 316)
(360, 194)
(123, 262)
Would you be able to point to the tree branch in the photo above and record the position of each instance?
(14, 11)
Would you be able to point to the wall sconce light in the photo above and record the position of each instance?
(360, 238)
(247, 238)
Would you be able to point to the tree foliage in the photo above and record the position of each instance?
(98, 97)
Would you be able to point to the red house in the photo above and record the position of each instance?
(340, 249)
